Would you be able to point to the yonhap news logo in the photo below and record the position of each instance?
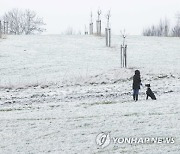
(104, 139)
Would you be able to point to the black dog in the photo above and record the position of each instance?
(149, 92)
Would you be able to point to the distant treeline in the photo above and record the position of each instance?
(163, 29)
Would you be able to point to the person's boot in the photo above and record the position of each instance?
(136, 97)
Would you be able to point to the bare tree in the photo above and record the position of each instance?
(69, 31)
(160, 30)
(32, 23)
(163, 28)
(176, 28)
(99, 13)
(14, 20)
(166, 27)
(108, 15)
(23, 22)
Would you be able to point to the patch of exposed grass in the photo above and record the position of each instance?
(131, 114)
(102, 103)
(10, 109)
(155, 113)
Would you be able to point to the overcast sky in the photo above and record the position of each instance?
(132, 15)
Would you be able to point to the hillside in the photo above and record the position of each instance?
(57, 93)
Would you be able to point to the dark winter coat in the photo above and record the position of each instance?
(136, 81)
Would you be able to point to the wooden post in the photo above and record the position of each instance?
(100, 27)
(0, 30)
(124, 56)
(109, 37)
(7, 27)
(85, 30)
(106, 32)
(4, 27)
(91, 24)
(91, 28)
(125, 51)
(121, 54)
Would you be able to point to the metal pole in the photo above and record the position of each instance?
(97, 27)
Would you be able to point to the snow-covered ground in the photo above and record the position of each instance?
(57, 93)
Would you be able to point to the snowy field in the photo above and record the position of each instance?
(57, 93)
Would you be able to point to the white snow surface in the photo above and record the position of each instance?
(57, 93)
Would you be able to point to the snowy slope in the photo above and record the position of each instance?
(34, 59)
(59, 92)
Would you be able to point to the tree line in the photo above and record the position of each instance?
(164, 29)
(20, 22)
